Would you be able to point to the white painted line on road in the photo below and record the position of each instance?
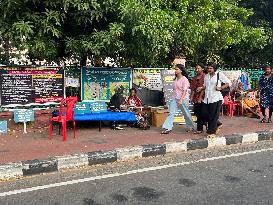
(77, 181)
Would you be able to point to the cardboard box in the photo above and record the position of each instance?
(162, 111)
(158, 119)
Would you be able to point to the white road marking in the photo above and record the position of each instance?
(20, 191)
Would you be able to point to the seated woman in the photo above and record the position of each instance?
(135, 103)
(248, 101)
(251, 105)
(133, 100)
(239, 92)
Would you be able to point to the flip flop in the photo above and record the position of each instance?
(263, 120)
(211, 136)
(218, 128)
(165, 132)
(190, 130)
(198, 132)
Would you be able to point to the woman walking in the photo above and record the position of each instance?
(266, 93)
(198, 97)
(180, 100)
(213, 98)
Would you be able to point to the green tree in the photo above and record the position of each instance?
(262, 17)
(61, 29)
(132, 32)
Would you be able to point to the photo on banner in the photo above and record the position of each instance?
(100, 83)
(149, 78)
(148, 83)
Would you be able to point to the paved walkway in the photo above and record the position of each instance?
(36, 145)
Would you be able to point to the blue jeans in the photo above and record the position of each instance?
(168, 124)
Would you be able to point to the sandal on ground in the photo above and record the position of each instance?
(165, 132)
(269, 120)
(198, 132)
(219, 128)
(211, 136)
(263, 120)
(190, 130)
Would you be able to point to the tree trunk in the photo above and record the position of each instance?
(6, 47)
(83, 60)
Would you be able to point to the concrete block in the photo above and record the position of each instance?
(11, 170)
(70, 161)
(197, 144)
(234, 139)
(216, 142)
(128, 153)
(37, 166)
(153, 150)
(176, 147)
(102, 157)
(250, 138)
(265, 135)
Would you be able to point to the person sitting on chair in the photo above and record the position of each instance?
(135, 103)
(117, 100)
(133, 100)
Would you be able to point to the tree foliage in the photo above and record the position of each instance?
(132, 32)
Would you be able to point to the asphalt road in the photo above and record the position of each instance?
(237, 175)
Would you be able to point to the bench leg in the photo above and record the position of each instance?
(100, 126)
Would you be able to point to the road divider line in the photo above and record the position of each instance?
(89, 179)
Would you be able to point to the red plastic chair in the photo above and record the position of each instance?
(227, 103)
(65, 116)
(230, 105)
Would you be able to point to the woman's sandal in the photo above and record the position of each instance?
(211, 136)
(165, 132)
(190, 130)
(263, 120)
(219, 127)
(198, 132)
(269, 120)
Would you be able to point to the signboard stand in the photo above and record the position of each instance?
(25, 128)
(3, 127)
(24, 116)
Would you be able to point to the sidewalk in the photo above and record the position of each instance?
(36, 145)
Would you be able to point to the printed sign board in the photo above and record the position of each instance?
(16, 89)
(82, 108)
(100, 83)
(3, 127)
(72, 82)
(48, 87)
(149, 78)
(98, 107)
(23, 86)
(24, 115)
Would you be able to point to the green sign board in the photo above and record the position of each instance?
(82, 108)
(98, 107)
(23, 115)
(3, 127)
(100, 83)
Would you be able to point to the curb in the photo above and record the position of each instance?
(58, 163)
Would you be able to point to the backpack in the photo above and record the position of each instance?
(226, 91)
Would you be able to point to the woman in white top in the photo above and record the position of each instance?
(214, 82)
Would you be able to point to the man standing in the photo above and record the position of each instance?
(197, 97)
(214, 82)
